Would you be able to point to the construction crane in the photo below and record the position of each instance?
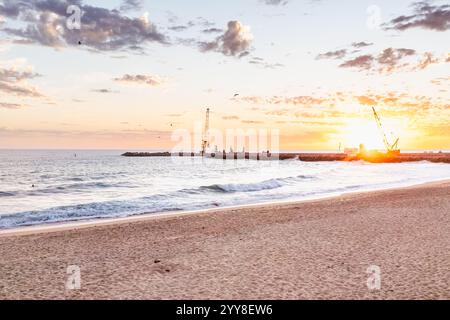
(390, 148)
(205, 137)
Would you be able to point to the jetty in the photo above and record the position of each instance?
(443, 157)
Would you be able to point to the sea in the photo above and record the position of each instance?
(48, 186)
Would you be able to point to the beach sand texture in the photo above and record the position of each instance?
(307, 250)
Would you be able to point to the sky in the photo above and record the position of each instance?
(128, 74)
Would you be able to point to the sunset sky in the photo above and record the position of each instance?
(310, 68)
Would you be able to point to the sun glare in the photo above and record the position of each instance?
(362, 131)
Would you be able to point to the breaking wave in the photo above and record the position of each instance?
(257, 186)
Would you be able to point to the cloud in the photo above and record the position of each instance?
(390, 58)
(130, 5)
(279, 100)
(205, 26)
(14, 81)
(361, 44)
(364, 100)
(338, 54)
(425, 15)
(174, 115)
(301, 100)
(338, 105)
(104, 91)
(427, 59)
(235, 41)
(275, 2)
(252, 99)
(204, 22)
(402, 104)
(363, 62)
(6, 105)
(19, 90)
(261, 62)
(278, 112)
(385, 62)
(212, 30)
(101, 29)
(141, 79)
(183, 27)
(440, 81)
(252, 122)
(14, 75)
(230, 118)
(178, 28)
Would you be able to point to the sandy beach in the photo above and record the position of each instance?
(307, 250)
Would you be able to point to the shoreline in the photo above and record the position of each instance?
(143, 217)
(318, 249)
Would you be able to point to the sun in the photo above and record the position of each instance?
(362, 131)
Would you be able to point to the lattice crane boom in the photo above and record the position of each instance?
(388, 146)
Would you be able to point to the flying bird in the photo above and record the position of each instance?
(235, 95)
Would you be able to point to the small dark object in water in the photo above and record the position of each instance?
(157, 261)
(79, 42)
(32, 185)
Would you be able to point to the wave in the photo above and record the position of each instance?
(76, 186)
(76, 179)
(64, 188)
(245, 187)
(257, 186)
(85, 211)
(7, 194)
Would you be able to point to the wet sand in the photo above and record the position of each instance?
(306, 250)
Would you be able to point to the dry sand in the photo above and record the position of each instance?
(307, 250)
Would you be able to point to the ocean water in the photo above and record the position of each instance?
(102, 184)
